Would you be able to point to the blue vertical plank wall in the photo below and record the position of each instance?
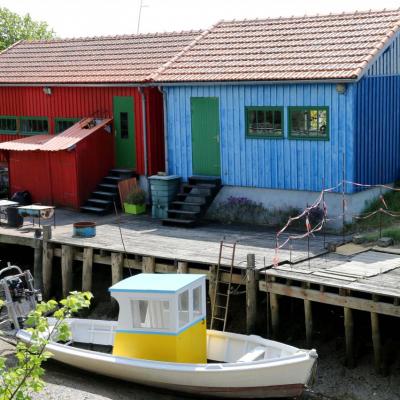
(387, 63)
(378, 129)
(377, 138)
(267, 163)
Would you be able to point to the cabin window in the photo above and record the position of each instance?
(124, 125)
(183, 308)
(308, 123)
(197, 303)
(32, 125)
(8, 124)
(264, 122)
(150, 314)
(62, 124)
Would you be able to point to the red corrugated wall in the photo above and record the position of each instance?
(94, 148)
(62, 178)
(76, 102)
(29, 170)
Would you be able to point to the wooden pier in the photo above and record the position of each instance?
(354, 278)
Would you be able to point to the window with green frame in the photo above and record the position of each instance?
(309, 123)
(62, 124)
(264, 122)
(8, 124)
(34, 125)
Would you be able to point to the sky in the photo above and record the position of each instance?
(77, 18)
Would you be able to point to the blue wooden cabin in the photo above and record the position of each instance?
(276, 105)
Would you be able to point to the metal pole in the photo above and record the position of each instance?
(343, 200)
(380, 214)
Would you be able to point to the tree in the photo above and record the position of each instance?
(14, 27)
(21, 381)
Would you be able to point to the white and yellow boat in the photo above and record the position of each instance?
(161, 340)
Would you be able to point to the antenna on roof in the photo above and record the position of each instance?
(141, 6)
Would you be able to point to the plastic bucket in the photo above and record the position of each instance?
(84, 229)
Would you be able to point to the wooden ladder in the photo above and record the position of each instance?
(222, 292)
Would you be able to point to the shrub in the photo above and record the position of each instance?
(136, 196)
(244, 210)
(21, 381)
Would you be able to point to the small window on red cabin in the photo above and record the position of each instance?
(62, 124)
(33, 125)
(124, 125)
(8, 124)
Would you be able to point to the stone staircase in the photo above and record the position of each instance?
(192, 202)
(101, 201)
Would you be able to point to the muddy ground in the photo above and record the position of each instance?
(334, 380)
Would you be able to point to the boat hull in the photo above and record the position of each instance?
(276, 378)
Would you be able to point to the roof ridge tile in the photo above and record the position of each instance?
(154, 75)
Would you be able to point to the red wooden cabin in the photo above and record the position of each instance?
(46, 86)
(61, 170)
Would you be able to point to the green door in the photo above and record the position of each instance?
(205, 136)
(124, 126)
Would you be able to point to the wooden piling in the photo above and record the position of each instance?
(251, 294)
(48, 254)
(87, 269)
(349, 333)
(182, 267)
(117, 265)
(212, 284)
(66, 269)
(376, 338)
(274, 307)
(38, 265)
(308, 319)
(149, 265)
(376, 341)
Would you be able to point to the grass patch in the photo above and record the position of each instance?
(392, 200)
(393, 233)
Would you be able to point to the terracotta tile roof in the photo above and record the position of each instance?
(63, 141)
(91, 60)
(299, 48)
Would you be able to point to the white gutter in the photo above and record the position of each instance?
(192, 83)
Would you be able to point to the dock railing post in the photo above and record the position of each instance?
(274, 308)
(47, 261)
(251, 294)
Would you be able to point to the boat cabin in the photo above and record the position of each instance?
(161, 317)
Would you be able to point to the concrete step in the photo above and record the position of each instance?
(184, 212)
(106, 195)
(94, 210)
(108, 187)
(187, 223)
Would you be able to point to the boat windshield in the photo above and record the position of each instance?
(153, 314)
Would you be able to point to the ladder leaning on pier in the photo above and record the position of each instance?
(222, 291)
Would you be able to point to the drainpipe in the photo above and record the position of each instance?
(164, 94)
(144, 128)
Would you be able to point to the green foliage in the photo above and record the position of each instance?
(136, 196)
(25, 378)
(14, 27)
